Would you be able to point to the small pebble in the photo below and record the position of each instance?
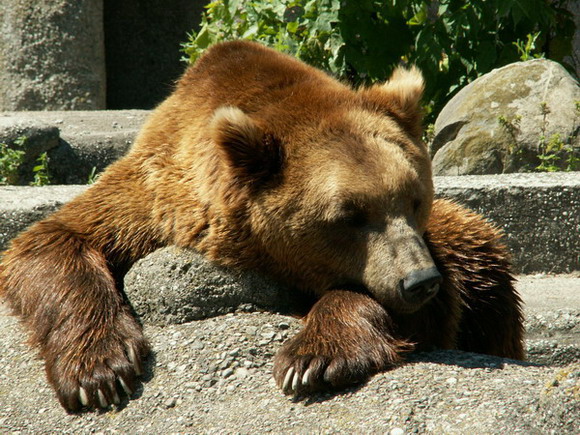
(170, 403)
(242, 373)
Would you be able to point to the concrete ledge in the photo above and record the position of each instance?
(21, 206)
(76, 141)
(540, 213)
(215, 375)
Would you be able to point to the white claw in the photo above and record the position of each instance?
(133, 358)
(288, 378)
(116, 399)
(306, 377)
(83, 396)
(125, 386)
(295, 382)
(102, 401)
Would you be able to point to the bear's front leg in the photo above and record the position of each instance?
(65, 294)
(347, 337)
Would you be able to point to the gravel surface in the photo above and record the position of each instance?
(214, 375)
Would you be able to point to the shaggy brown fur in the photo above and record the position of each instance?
(259, 161)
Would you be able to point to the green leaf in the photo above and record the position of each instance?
(292, 27)
(419, 18)
(203, 38)
(251, 32)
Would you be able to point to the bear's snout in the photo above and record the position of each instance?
(420, 285)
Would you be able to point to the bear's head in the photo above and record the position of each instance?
(337, 186)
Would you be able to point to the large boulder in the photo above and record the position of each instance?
(174, 285)
(504, 120)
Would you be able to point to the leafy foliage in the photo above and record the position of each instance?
(10, 161)
(40, 171)
(526, 49)
(452, 41)
(557, 153)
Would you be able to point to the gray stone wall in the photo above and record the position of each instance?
(53, 57)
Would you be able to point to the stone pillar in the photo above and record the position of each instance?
(52, 55)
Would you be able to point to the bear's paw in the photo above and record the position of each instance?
(346, 339)
(95, 372)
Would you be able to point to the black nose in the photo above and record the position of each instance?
(421, 285)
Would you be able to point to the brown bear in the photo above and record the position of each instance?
(259, 161)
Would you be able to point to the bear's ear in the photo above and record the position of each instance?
(400, 97)
(251, 155)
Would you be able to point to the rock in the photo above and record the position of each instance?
(51, 55)
(170, 403)
(173, 285)
(497, 123)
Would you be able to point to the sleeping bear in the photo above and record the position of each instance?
(258, 161)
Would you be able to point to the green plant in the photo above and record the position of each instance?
(40, 171)
(93, 176)
(10, 161)
(526, 50)
(452, 41)
(556, 153)
(303, 28)
(429, 133)
(512, 126)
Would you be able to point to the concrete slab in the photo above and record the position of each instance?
(542, 292)
(186, 391)
(88, 139)
(539, 213)
(21, 206)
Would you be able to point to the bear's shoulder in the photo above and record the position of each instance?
(251, 69)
